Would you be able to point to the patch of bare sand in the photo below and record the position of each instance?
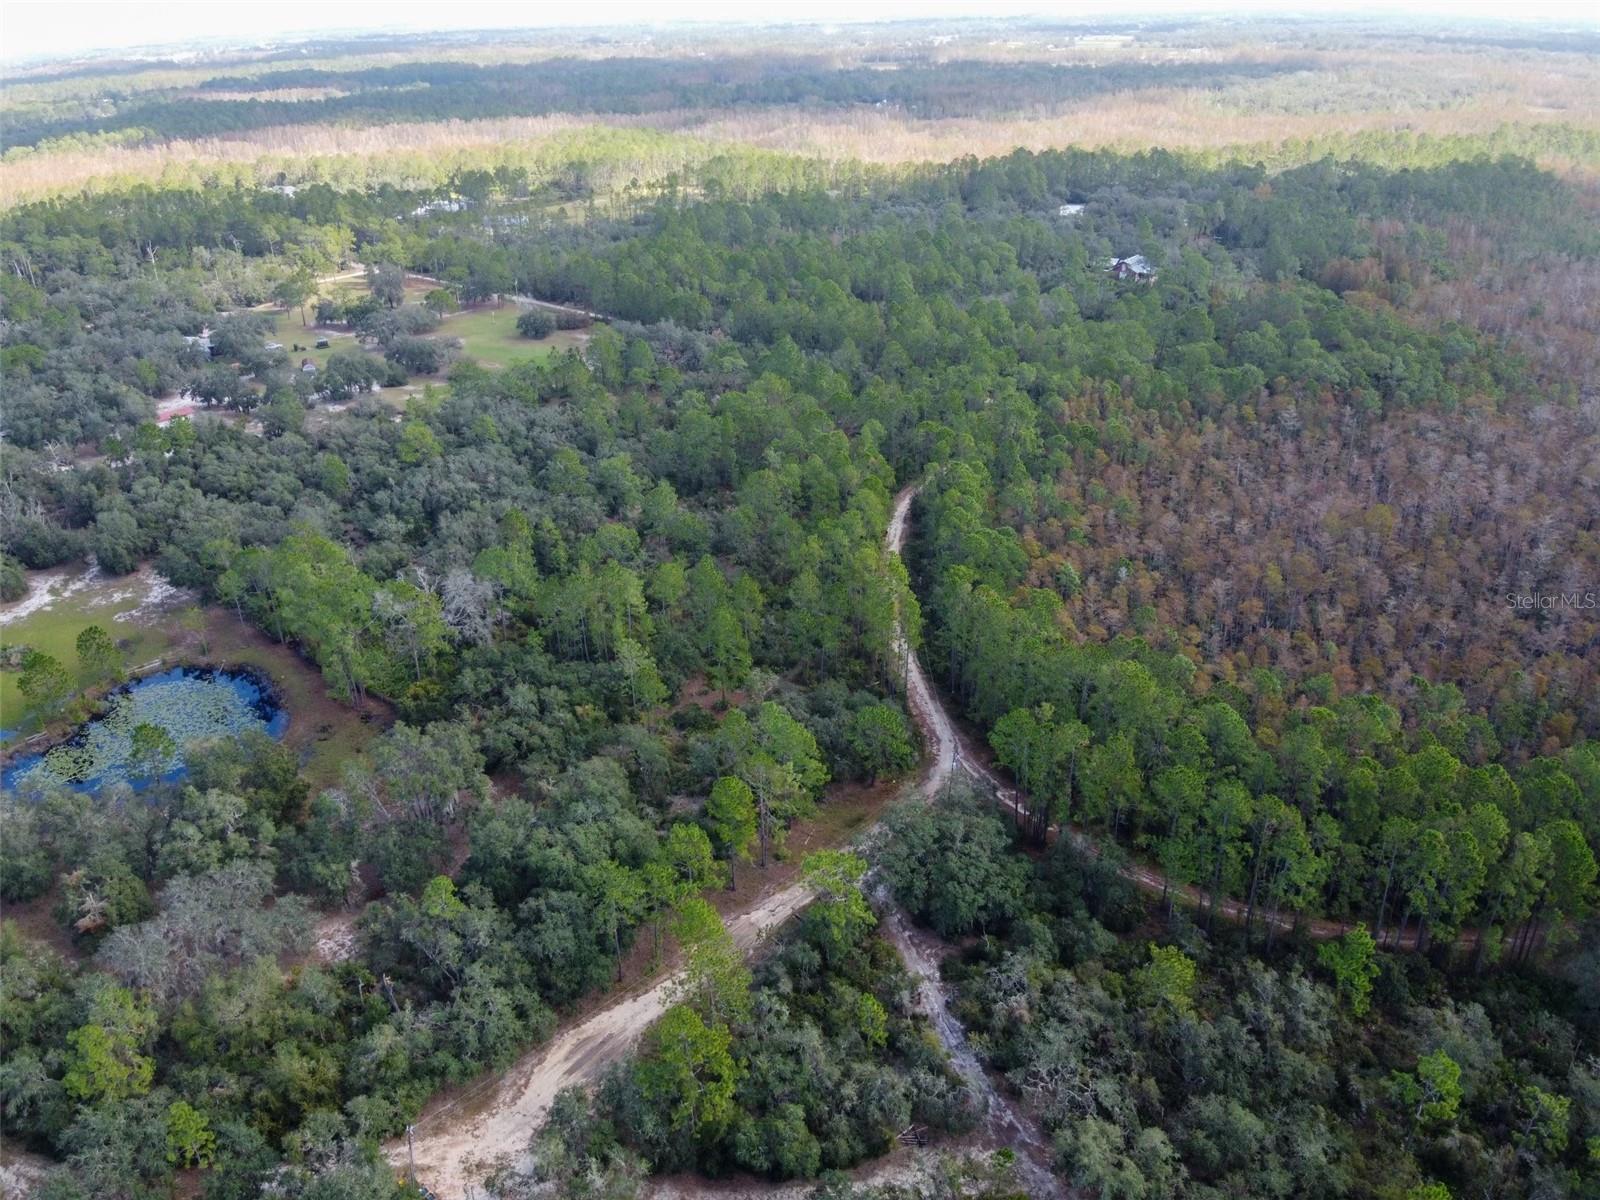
(458, 1143)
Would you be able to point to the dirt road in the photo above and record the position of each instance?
(456, 1141)
(1004, 1123)
(938, 729)
(22, 1173)
(954, 752)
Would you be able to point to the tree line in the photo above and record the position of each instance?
(643, 589)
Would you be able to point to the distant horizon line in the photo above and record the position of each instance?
(166, 50)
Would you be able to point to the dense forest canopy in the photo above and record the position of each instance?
(1219, 553)
(1186, 1068)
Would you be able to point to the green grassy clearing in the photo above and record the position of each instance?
(325, 730)
(288, 328)
(489, 336)
(54, 629)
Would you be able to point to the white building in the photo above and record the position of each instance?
(1136, 267)
(433, 206)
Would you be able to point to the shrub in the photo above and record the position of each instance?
(535, 323)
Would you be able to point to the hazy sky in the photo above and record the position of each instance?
(29, 28)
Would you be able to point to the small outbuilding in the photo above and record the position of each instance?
(438, 206)
(1135, 267)
(174, 408)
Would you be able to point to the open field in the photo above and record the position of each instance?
(489, 336)
(291, 329)
(139, 611)
(149, 619)
(288, 329)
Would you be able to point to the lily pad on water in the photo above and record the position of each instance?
(188, 703)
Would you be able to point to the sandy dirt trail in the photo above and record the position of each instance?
(22, 1173)
(1004, 1123)
(954, 753)
(455, 1142)
(943, 741)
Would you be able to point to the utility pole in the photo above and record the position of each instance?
(411, 1154)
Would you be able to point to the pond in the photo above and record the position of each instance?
(189, 703)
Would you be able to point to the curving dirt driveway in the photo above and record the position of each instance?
(950, 742)
(457, 1140)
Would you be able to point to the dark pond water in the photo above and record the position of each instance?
(190, 703)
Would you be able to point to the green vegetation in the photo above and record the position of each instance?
(492, 337)
(326, 733)
(535, 323)
(1215, 554)
(1195, 1067)
(816, 1063)
(56, 629)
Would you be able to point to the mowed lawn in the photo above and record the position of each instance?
(489, 336)
(288, 328)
